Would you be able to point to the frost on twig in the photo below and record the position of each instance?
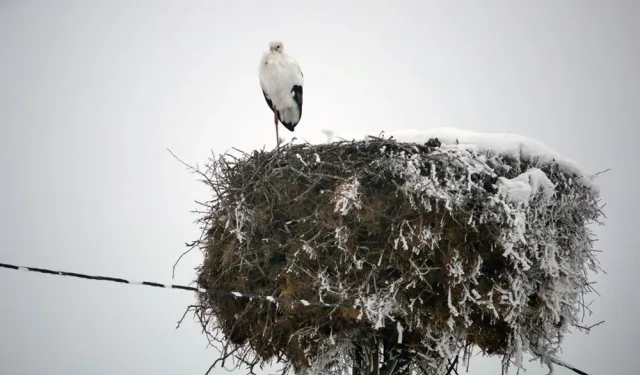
(437, 247)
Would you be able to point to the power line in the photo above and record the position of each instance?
(250, 296)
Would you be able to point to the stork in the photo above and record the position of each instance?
(281, 81)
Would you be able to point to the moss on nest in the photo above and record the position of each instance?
(423, 239)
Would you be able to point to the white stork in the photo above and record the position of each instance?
(281, 80)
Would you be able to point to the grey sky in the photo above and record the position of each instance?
(93, 92)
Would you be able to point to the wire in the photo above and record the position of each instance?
(250, 296)
(567, 366)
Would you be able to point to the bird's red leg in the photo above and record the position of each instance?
(275, 121)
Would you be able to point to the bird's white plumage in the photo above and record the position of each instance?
(279, 73)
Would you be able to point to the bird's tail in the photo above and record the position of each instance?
(289, 117)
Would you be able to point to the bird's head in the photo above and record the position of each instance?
(276, 46)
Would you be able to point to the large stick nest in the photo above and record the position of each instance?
(427, 242)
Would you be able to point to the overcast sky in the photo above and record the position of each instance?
(92, 93)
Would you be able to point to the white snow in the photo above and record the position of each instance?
(503, 144)
(347, 197)
(400, 329)
(241, 216)
(522, 188)
(301, 160)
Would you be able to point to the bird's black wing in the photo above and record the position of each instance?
(269, 102)
(296, 90)
(296, 94)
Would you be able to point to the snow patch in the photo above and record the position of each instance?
(503, 144)
(348, 196)
(523, 188)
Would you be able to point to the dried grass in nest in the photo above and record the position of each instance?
(418, 236)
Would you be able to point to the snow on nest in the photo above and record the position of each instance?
(520, 189)
(503, 144)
